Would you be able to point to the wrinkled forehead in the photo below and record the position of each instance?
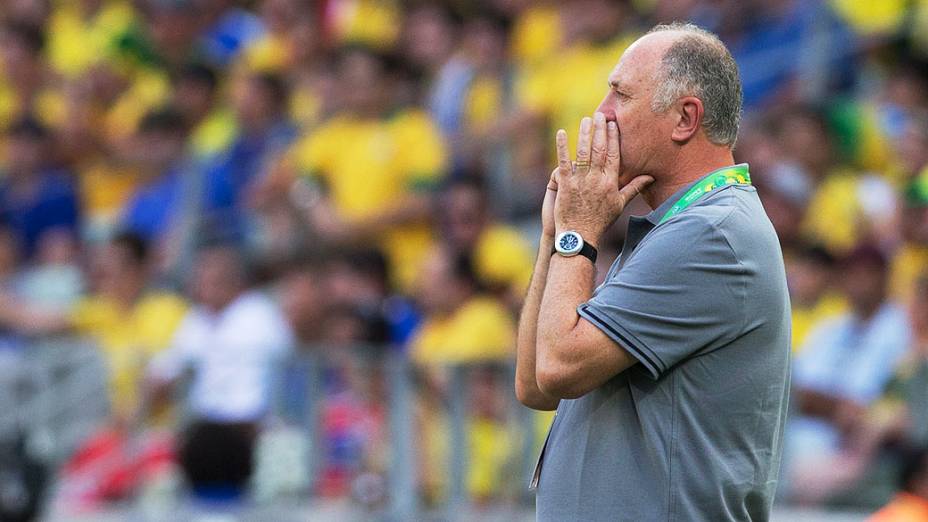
(638, 66)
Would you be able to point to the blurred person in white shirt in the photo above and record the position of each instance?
(232, 342)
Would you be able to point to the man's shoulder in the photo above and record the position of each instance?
(733, 207)
(734, 216)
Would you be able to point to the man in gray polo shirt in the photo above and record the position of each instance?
(671, 379)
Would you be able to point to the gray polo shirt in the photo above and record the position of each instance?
(694, 431)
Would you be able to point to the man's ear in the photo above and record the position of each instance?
(690, 112)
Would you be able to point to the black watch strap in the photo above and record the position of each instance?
(588, 251)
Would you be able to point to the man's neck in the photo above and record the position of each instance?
(683, 173)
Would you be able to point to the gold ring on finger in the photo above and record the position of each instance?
(583, 164)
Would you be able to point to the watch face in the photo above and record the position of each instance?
(569, 243)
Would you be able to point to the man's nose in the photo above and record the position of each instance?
(607, 107)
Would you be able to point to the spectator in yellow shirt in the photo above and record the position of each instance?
(502, 257)
(196, 95)
(277, 49)
(376, 170)
(460, 324)
(374, 23)
(129, 322)
(911, 257)
(82, 33)
(27, 85)
(812, 293)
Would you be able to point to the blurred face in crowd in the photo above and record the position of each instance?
(905, 89)
(914, 224)
(302, 301)
(57, 247)
(343, 328)
(364, 90)
(864, 285)
(25, 154)
(808, 279)
(218, 278)
(485, 44)
(465, 214)
(9, 252)
(255, 105)
(919, 309)
(804, 139)
(439, 291)
(157, 150)
(194, 99)
(279, 15)
(486, 393)
(785, 215)
(645, 136)
(90, 6)
(757, 145)
(117, 273)
(428, 37)
(33, 12)
(591, 20)
(173, 27)
(19, 58)
(911, 149)
(347, 285)
(305, 40)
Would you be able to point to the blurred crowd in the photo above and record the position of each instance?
(216, 185)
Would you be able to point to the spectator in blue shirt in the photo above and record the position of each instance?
(35, 197)
(159, 151)
(841, 372)
(264, 133)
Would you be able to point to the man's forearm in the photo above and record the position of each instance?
(526, 383)
(569, 284)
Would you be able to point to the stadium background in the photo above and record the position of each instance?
(375, 170)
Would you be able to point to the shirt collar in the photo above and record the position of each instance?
(654, 217)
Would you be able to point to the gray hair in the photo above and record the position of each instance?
(699, 64)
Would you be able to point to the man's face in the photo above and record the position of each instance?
(115, 269)
(24, 154)
(361, 78)
(217, 278)
(252, 102)
(465, 215)
(644, 135)
(301, 299)
(864, 285)
(158, 149)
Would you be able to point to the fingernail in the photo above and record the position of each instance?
(611, 125)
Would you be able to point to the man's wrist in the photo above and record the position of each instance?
(590, 238)
(571, 243)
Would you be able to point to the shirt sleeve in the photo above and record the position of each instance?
(814, 365)
(170, 364)
(310, 154)
(424, 155)
(681, 292)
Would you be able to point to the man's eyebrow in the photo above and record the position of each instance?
(614, 84)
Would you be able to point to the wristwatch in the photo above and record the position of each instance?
(569, 244)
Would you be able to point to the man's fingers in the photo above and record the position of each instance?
(552, 181)
(598, 148)
(613, 156)
(634, 187)
(563, 154)
(583, 143)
